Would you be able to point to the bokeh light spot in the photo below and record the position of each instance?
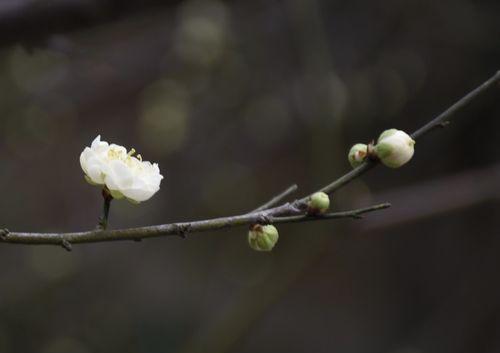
(164, 117)
(201, 34)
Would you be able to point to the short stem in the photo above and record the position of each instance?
(103, 221)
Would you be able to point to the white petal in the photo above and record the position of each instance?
(96, 141)
(119, 175)
(138, 195)
(84, 157)
(95, 174)
(140, 191)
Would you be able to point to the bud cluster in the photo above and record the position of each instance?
(394, 148)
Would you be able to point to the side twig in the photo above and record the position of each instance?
(277, 199)
(356, 214)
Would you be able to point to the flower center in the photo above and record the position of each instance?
(114, 153)
(129, 159)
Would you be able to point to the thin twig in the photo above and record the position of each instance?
(443, 117)
(348, 177)
(107, 198)
(277, 199)
(288, 212)
(356, 214)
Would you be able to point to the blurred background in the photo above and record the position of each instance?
(236, 100)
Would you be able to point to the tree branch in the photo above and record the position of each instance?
(293, 212)
(94, 236)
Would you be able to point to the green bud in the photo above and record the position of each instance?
(262, 237)
(357, 154)
(387, 133)
(318, 203)
(394, 148)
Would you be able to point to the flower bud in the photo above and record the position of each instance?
(318, 203)
(262, 237)
(394, 148)
(357, 154)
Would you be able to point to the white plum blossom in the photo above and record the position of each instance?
(123, 174)
(394, 148)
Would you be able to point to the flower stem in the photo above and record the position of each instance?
(103, 220)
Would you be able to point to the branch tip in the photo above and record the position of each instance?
(4, 234)
(66, 245)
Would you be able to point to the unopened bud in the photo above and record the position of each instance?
(262, 237)
(394, 148)
(318, 203)
(357, 154)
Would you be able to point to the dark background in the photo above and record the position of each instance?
(236, 100)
